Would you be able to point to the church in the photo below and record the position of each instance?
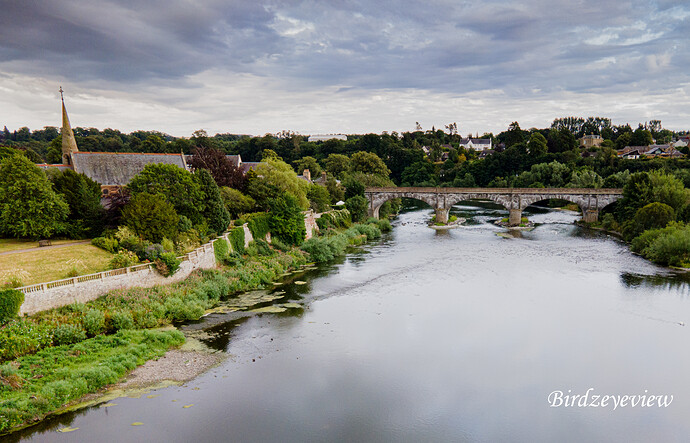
(113, 170)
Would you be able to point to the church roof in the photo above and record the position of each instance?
(117, 169)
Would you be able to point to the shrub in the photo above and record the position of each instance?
(123, 259)
(317, 249)
(259, 247)
(122, 319)
(258, 224)
(184, 224)
(167, 264)
(66, 334)
(10, 302)
(221, 249)
(372, 232)
(168, 245)
(279, 245)
(237, 240)
(93, 322)
(20, 337)
(108, 243)
(652, 216)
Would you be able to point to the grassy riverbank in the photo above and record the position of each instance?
(36, 385)
(55, 357)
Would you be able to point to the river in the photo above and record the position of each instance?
(460, 335)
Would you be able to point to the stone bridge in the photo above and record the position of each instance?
(591, 201)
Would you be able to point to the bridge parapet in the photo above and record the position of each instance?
(591, 201)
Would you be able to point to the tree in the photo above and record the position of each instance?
(214, 211)
(222, 169)
(235, 202)
(83, 196)
(278, 174)
(641, 137)
(536, 145)
(287, 220)
(309, 163)
(319, 198)
(175, 184)
(334, 190)
(337, 165)
(353, 187)
(586, 179)
(561, 140)
(28, 205)
(151, 217)
(369, 163)
(153, 143)
(357, 206)
(421, 173)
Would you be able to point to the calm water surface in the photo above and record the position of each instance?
(437, 336)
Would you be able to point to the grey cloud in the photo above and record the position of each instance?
(437, 45)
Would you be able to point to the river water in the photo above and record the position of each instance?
(459, 335)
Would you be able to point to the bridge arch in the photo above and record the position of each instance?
(377, 200)
(590, 201)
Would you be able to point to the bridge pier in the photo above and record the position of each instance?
(590, 215)
(374, 212)
(514, 217)
(442, 215)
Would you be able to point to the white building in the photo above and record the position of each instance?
(478, 144)
(324, 137)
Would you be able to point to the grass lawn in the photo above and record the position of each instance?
(43, 265)
(13, 244)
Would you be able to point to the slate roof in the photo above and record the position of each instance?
(118, 168)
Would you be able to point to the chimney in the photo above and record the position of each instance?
(323, 176)
(306, 174)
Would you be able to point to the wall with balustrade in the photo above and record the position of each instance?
(54, 294)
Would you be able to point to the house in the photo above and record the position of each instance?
(590, 141)
(680, 143)
(662, 151)
(478, 144)
(632, 152)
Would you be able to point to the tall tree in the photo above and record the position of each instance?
(222, 169)
(28, 205)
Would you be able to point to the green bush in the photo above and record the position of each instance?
(317, 249)
(20, 337)
(93, 322)
(652, 216)
(10, 302)
(122, 319)
(258, 224)
(67, 334)
(237, 240)
(108, 243)
(357, 206)
(259, 247)
(372, 232)
(279, 245)
(184, 224)
(167, 264)
(123, 259)
(220, 249)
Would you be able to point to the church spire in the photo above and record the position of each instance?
(69, 144)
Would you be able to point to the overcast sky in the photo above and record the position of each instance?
(342, 66)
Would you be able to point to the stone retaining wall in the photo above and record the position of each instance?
(44, 296)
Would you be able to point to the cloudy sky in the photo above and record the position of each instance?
(342, 66)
